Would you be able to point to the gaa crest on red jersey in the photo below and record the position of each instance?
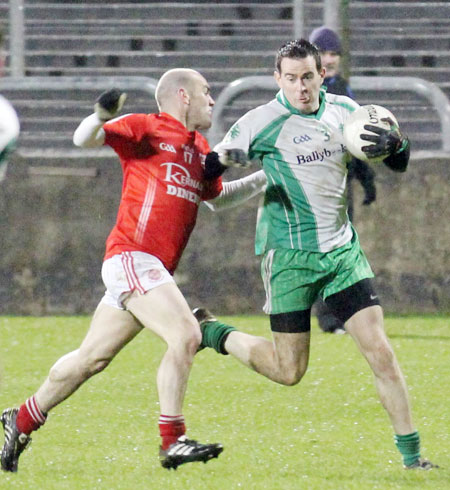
(167, 147)
(154, 274)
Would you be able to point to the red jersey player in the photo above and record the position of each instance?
(163, 166)
(167, 170)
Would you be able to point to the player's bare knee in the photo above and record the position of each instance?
(91, 364)
(294, 379)
(187, 340)
(193, 341)
(291, 376)
(193, 335)
(96, 366)
(383, 361)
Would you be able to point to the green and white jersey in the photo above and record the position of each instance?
(305, 161)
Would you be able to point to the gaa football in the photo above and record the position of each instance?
(354, 127)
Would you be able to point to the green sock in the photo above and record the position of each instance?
(409, 447)
(215, 334)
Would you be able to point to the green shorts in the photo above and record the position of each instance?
(293, 279)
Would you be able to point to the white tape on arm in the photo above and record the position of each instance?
(90, 133)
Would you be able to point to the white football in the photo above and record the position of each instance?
(354, 127)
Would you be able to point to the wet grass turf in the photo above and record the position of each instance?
(328, 432)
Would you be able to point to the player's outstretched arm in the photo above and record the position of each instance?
(89, 133)
(390, 141)
(237, 191)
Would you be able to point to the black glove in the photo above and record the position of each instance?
(213, 167)
(370, 194)
(215, 164)
(109, 104)
(387, 141)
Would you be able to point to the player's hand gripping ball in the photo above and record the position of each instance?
(371, 133)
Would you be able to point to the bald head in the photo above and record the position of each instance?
(185, 94)
(171, 82)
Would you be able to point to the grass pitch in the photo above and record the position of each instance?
(328, 432)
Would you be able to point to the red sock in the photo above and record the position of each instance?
(30, 416)
(171, 427)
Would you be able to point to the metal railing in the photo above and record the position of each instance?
(426, 89)
(38, 85)
(423, 88)
(144, 84)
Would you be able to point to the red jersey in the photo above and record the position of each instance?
(163, 184)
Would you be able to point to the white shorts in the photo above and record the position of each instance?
(127, 272)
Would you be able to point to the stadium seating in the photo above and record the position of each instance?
(58, 202)
(231, 40)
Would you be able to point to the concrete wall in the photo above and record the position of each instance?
(53, 229)
(406, 235)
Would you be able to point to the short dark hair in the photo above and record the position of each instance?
(299, 48)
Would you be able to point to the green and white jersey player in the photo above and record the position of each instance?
(308, 244)
(301, 148)
(305, 161)
(9, 132)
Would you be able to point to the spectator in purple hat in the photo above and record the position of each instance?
(330, 49)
